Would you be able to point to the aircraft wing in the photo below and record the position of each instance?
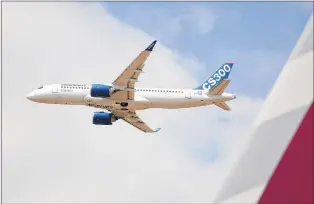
(127, 79)
(133, 119)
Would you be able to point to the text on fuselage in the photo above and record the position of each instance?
(100, 106)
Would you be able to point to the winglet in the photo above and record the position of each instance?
(157, 129)
(151, 46)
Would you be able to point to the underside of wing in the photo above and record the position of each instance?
(133, 119)
(127, 79)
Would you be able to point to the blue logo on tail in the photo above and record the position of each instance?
(221, 74)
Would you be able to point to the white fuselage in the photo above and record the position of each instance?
(144, 98)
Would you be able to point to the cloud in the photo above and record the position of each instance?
(204, 19)
(169, 22)
(53, 153)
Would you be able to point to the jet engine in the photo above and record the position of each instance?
(101, 90)
(102, 118)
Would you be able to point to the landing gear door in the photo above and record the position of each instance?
(188, 94)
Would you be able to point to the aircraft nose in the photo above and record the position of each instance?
(30, 96)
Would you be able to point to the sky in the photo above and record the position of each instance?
(217, 32)
(53, 153)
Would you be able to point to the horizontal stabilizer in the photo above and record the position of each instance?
(218, 90)
(223, 105)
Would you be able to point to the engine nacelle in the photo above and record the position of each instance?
(101, 90)
(102, 118)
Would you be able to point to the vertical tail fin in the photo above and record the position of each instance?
(221, 74)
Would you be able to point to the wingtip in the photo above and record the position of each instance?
(151, 46)
(157, 129)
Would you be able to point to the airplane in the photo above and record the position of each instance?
(121, 99)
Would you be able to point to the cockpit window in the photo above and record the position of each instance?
(40, 87)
